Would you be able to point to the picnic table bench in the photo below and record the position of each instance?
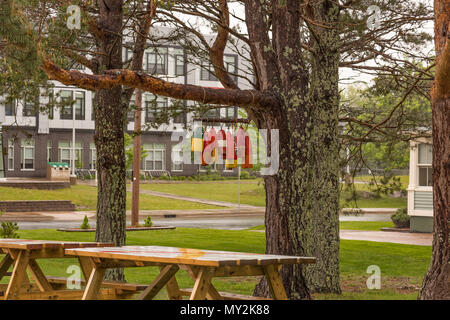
(201, 265)
(22, 255)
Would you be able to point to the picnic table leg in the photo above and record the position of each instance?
(212, 293)
(5, 264)
(93, 286)
(167, 273)
(275, 283)
(38, 276)
(172, 288)
(19, 274)
(202, 284)
(86, 266)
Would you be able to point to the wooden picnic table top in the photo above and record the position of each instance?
(24, 244)
(172, 255)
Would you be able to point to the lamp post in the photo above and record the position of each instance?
(136, 177)
(73, 141)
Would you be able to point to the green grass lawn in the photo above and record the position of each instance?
(403, 179)
(251, 193)
(402, 266)
(254, 193)
(85, 198)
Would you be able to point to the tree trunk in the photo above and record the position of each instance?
(436, 284)
(302, 204)
(109, 136)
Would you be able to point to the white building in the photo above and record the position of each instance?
(420, 188)
(31, 139)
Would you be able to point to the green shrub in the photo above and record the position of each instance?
(148, 222)
(245, 175)
(164, 177)
(8, 229)
(401, 218)
(85, 225)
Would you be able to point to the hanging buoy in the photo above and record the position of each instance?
(244, 148)
(206, 141)
(231, 159)
(222, 144)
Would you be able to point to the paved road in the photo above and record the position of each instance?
(226, 221)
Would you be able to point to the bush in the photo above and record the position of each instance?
(85, 225)
(245, 175)
(148, 222)
(8, 229)
(401, 218)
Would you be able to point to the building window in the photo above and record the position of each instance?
(92, 157)
(230, 113)
(131, 108)
(51, 102)
(65, 153)
(207, 72)
(157, 61)
(49, 151)
(80, 105)
(29, 108)
(27, 154)
(155, 159)
(154, 106)
(10, 107)
(179, 64)
(11, 155)
(67, 100)
(212, 167)
(177, 158)
(425, 165)
(231, 66)
(93, 107)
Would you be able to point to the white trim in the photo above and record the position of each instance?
(424, 188)
(422, 213)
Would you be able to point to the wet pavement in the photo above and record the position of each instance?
(226, 221)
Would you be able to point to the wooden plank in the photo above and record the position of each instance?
(94, 283)
(239, 271)
(19, 275)
(160, 281)
(107, 294)
(173, 255)
(61, 281)
(227, 295)
(275, 283)
(5, 264)
(202, 284)
(38, 276)
(212, 293)
(27, 244)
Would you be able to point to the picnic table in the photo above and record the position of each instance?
(22, 255)
(202, 266)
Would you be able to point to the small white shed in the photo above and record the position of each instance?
(420, 188)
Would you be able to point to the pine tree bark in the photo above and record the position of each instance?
(436, 284)
(302, 199)
(110, 114)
